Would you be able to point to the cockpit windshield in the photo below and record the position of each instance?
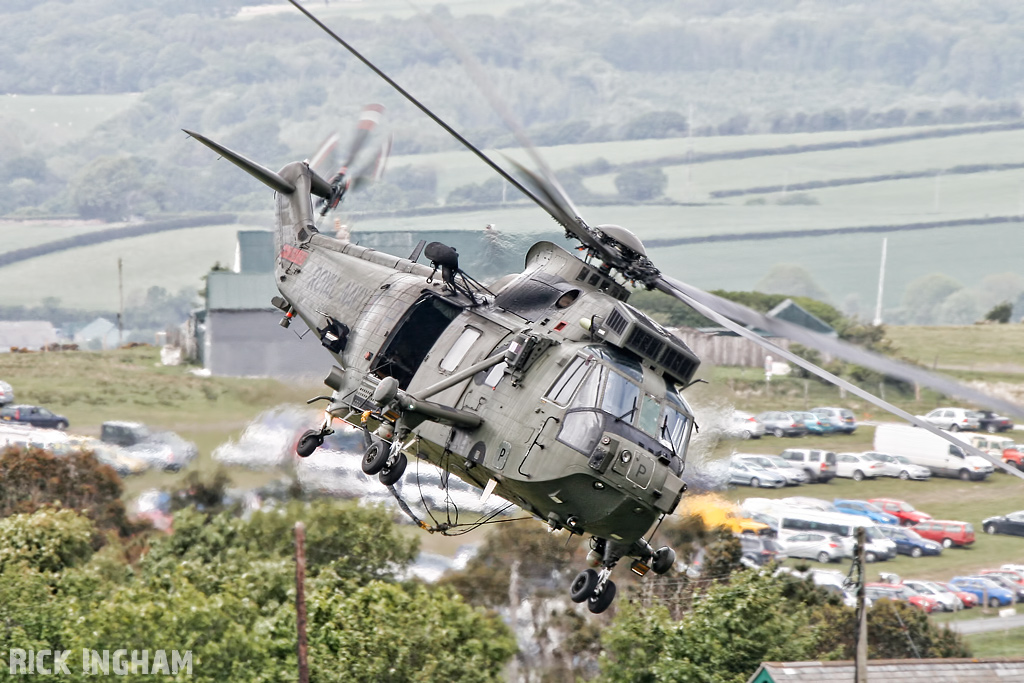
(614, 386)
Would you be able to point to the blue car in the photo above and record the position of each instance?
(909, 542)
(865, 509)
(984, 589)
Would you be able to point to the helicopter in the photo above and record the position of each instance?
(545, 388)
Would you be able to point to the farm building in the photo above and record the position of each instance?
(238, 333)
(895, 670)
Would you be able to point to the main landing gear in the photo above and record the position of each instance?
(596, 588)
(388, 463)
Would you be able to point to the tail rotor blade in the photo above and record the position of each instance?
(367, 122)
(324, 152)
(373, 171)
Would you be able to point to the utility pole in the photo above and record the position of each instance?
(860, 663)
(300, 599)
(881, 284)
(120, 309)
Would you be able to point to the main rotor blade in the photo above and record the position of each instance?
(672, 288)
(848, 352)
(422, 107)
(476, 74)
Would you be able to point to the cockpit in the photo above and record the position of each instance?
(605, 391)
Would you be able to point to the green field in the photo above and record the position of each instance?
(988, 348)
(58, 119)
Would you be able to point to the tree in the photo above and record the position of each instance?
(47, 540)
(924, 296)
(1000, 313)
(792, 280)
(641, 184)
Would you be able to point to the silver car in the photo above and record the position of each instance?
(752, 475)
(744, 426)
(949, 601)
(816, 546)
(953, 419)
(793, 475)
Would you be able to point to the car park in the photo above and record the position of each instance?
(36, 416)
(909, 542)
(986, 591)
(903, 510)
(165, 450)
(1003, 582)
(865, 509)
(760, 550)
(900, 593)
(947, 532)
(922, 447)
(6, 393)
(815, 425)
(953, 419)
(793, 475)
(1012, 524)
(992, 423)
(753, 475)
(745, 426)
(820, 546)
(948, 601)
(856, 466)
(782, 424)
(819, 465)
(841, 419)
(789, 521)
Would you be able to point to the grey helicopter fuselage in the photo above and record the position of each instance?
(577, 417)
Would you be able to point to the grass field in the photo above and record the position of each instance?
(58, 119)
(969, 347)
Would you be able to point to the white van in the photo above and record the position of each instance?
(921, 447)
(791, 521)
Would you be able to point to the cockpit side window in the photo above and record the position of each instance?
(567, 383)
(650, 410)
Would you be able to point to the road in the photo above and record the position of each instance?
(985, 625)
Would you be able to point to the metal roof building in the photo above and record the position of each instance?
(991, 670)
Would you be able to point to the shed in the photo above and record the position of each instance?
(240, 331)
(979, 670)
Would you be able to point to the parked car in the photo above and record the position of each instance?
(753, 475)
(815, 425)
(1012, 523)
(953, 419)
(108, 454)
(986, 591)
(33, 415)
(745, 426)
(946, 599)
(911, 471)
(793, 475)
(819, 465)
(969, 599)
(166, 450)
(1004, 582)
(904, 511)
(842, 419)
(901, 593)
(6, 393)
(865, 509)
(909, 542)
(896, 467)
(947, 532)
(856, 466)
(760, 550)
(820, 546)
(922, 447)
(1001, 447)
(790, 520)
(992, 423)
(1011, 576)
(782, 424)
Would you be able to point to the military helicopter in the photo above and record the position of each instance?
(545, 388)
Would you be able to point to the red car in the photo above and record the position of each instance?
(903, 510)
(969, 599)
(1011, 575)
(947, 532)
(889, 591)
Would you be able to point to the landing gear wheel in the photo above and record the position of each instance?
(309, 442)
(602, 600)
(583, 585)
(375, 457)
(664, 559)
(389, 476)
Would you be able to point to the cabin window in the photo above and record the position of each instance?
(581, 430)
(567, 383)
(459, 349)
(650, 410)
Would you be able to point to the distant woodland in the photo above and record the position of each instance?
(572, 71)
